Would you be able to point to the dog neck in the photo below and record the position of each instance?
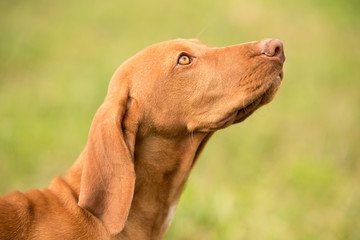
(161, 173)
(160, 177)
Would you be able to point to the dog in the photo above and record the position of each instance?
(161, 108)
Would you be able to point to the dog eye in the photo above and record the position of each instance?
(184, 60)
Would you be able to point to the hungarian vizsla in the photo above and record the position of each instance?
(162, 106)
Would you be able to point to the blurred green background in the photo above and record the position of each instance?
(291, 171)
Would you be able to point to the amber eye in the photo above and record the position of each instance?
(184, 60)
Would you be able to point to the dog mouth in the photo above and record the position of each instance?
(244, 112)
(247, 108)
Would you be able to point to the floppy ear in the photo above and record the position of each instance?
(108, 175)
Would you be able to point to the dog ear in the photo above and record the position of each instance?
(108, 175)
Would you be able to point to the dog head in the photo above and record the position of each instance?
(170, 89)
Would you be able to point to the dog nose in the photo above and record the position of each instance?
(273, 48)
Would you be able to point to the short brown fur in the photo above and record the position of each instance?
(144, 141)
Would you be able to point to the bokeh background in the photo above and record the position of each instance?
(291, 171)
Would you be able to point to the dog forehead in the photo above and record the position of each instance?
(192, 46)
(156, 59)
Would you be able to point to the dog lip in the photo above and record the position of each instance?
(244, 112)
(248, 109)
(227, 120)
(239, 114)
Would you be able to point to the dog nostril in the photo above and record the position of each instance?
(277, 51)
(272, 48)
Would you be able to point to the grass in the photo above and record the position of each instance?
(291, 171)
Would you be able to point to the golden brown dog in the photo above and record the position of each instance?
(161, 108)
